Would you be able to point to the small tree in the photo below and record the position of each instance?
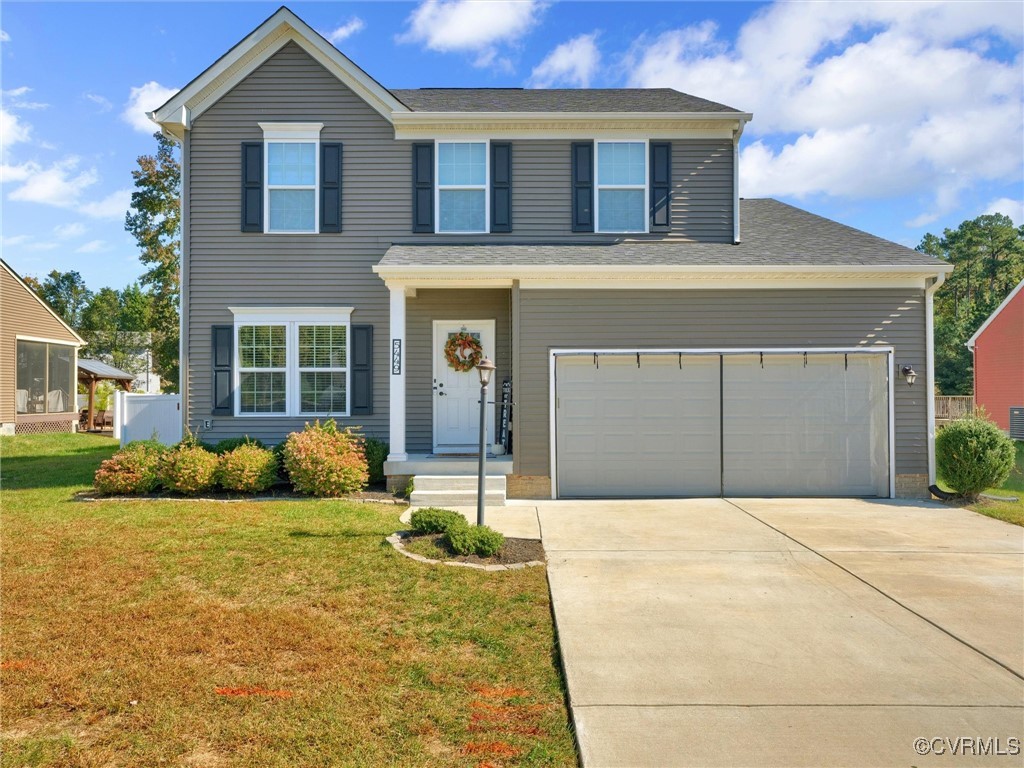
(973, 454)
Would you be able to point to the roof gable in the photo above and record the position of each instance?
(263, 42)
(21, 283)
(1005, 303)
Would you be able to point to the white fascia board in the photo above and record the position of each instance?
(974, 339)
(287, 314)
(288, 28)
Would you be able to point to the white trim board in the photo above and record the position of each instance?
(554, 354)
(988, 321)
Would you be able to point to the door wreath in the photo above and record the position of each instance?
(462, 351)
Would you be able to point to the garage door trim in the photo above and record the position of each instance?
(554, 354)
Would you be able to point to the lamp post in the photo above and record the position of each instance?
(485, 368)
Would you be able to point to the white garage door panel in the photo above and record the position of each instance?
(814, 429)
(628, 431)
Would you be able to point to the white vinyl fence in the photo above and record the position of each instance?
(140, 417)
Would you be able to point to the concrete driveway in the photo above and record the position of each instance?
(750, 632)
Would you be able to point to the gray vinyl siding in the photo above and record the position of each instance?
(477, 304)
(549, 319)
(226, 267)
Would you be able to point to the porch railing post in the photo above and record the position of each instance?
(396, 406)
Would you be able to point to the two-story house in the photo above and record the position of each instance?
(345, 245)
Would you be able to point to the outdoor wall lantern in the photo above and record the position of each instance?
(485, 368)
(909, 374)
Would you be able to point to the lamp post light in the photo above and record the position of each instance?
(485, 368)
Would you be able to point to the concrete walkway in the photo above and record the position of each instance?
(787, 633)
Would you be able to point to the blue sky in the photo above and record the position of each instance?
(897, 118)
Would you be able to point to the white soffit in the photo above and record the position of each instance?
(266, 40)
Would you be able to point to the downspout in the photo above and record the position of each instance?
(929, 334)
(736, 184)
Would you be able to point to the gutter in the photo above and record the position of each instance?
(929, 334)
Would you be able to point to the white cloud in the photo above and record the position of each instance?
(113, 206)
(1008, 207)
(142, 99)
(63, 185)
(7, 242)
(13, 98)
(68, 231)
(346, 30)
(4, 37)
(47, 245)
(100, 101)
(93, 246)
(12, 131)
(911, 103)
(573, 63)
(471, 26)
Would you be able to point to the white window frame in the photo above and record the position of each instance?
(645, 189)
(467, 187)
(74, 370)
(291, 133)
(292, 318)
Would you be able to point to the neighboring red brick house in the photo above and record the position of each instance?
(998, 349)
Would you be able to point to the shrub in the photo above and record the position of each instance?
(248, 468)
(230, 443)
(973, 454)
(325, 461)
(436, 520)
(278, 451)
(376, 454)
(133, 469)
(189, 469)
(190, 440)
(475, 540)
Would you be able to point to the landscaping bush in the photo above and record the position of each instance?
(133, 469)
(376, 454)
(475, 540)
(230, 443)
(189, 469)
(248, 468)
(278, 451)
(973, 454)
(436, 520)
(325, 461)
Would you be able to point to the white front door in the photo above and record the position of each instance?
(457, 393)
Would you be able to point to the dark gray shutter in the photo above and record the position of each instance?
(661, 186)
(583, 186)
(330, 187)
(252, 186)
(223, 355)
(361, 350)
(501, 187)
(422, 187)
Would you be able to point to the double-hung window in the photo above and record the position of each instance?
(292, 361)
(462, 179)
(622, 186)
(292, 170)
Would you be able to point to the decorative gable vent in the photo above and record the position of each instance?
(1017, 423)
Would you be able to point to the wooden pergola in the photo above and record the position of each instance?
(92, 372)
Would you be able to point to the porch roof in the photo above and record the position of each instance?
(775, 236)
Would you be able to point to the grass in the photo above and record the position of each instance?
(279, 633)
(1008, 511)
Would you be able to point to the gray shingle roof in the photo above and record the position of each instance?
(554, 100)
(773, 234)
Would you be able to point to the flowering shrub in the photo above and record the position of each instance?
(229, 444)
(133, 469)
(325, 461)
(247, 468)
(189, 469)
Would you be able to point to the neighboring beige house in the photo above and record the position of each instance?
(38, 362)
(658, 335)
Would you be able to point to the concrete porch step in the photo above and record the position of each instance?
(457, 483)
(465, 498)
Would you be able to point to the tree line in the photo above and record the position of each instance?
(132, 327)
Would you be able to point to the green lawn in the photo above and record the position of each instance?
(283, 633)
(1010, 511)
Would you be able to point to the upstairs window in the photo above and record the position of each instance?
(622, 186)
(292, 170)
(462, 178)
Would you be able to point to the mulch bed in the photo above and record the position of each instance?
(514, 551)
(281, 492)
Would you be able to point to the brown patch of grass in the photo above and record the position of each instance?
(500, 692)
(17, 664)
(497, 748)
(252, 691)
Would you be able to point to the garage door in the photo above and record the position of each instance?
(777, 424)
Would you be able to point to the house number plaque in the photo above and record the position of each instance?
(396, 357)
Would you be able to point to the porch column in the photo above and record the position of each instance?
(396, 407)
